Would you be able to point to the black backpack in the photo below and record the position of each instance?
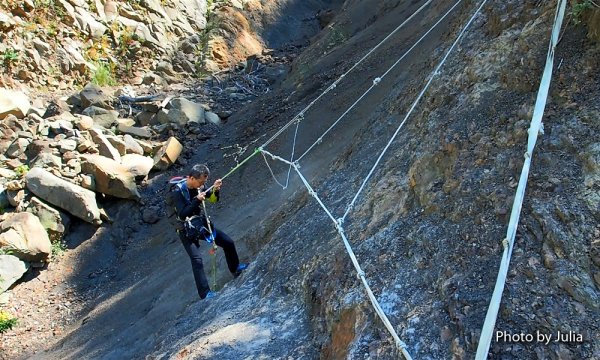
(171, 192)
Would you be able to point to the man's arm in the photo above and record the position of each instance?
(184, 209)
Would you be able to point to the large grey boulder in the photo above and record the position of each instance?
(55, 222)
(11, 270)
(13, 102)
(72, 198)
(138, 165)
(105, 148)
(182, 111)
(25, 236)
(103, 117)
(93, 95)
(17, 148)
(111, 177)
(132, 146)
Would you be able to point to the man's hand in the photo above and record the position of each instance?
(201, 196)
(217, 184)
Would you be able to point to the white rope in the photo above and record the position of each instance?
(334, 84)
(377, 80)
(536, 122)
(414, 105)
(271, 171)
(361, 274)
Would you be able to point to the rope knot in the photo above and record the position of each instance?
(376, 81)
(340, 221)
(296, 164)
(360, 274)
(505, 243)
(527, 155)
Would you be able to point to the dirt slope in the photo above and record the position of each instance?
(427, 228)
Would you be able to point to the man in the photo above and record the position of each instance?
(188, 196)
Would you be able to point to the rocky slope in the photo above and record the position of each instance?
(427, 229)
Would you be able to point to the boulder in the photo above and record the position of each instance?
(55, 222)
(168, 154)
(117, 144)
(15, 197)
(93, 95)
(138, 165)
(11, 269)
(84, 122)
(13, 102)
(182, 111)
(111, 177)
(4, 202)
(103, 117)
(132, 146)
(105, 148)
(211, 117)
(72, 198)
(56, 107)
(17, 148)
(25, 236)
(47, 160)
(141, 132)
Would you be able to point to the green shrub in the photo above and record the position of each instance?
(103, 75)
(58, 248)
(21, 170)
(7, 321)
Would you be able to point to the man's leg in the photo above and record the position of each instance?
(228, 246)
(194, 251)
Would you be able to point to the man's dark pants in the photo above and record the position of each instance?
(194, 250)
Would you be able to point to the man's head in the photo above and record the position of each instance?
(197, 176)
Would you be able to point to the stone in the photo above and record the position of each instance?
(25, 236)
(132, 146)
(103, 117)
(117, 144)
(11, 270)
(93, 95)
(161, 117)
(67, 145)
(111, 177)
(46, 160)
(168, 154)
(17, 148)
(84, 122)
(138, 165)
(104, 146)
(4, 203)
(56, 107)
(126, 122)
(181, 111)
(147, 147)
(15, 197)
(146, 118)
(54, 221)
(150, 216)
(141, 132)
(65, 195)
(88, 182)
(9, 174)
(13, 103)
(211, 117)
(41, 46)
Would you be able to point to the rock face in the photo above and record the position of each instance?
(11, 269)
(111, 177)
(74, 199)
(25, 236)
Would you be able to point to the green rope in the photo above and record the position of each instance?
(256, 151)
